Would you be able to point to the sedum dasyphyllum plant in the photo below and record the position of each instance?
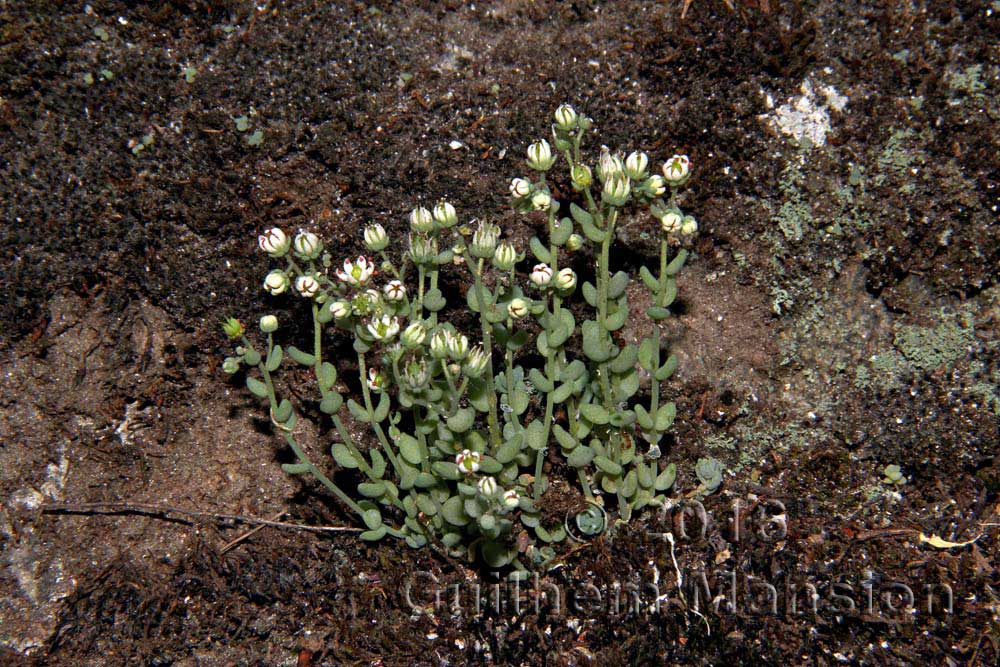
(463, 428)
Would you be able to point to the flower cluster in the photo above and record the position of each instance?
(464, 422)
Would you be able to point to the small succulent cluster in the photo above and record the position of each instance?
(464, 428)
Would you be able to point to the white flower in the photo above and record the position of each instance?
(307, 245)
(671, 222)
(676, 170)
(565, 118)
(357, 272)
(307, 286)
(517, 308)
(394, 290)
(476, 362)
(510, 499)
(541, 201)
(505, 257)
(439, 343)
(690, 226)
(376, 380)
(375, 237)
(414, 335)
(540, 156)
(383, 328)
(445, 215)
(274, 242)
(566, 280)
(421, 220)
(520, 187)
(636, 164)
(541, 275)
(487, 486)
(484, 240)
(340, 309)
(656, 185)
(468, 461)
(269, 324)
(458, 346)
(276, 282)
(616, 189)
(609, 164)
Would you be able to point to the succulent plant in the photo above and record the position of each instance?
(464, 427)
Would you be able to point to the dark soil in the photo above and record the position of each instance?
(840, 314)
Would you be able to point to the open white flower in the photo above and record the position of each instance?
(384, 328)
(676, 170)
(357, 272)
(468, 461)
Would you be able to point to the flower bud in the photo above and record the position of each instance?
(616, 189)
(518, 308)
(307, 286)
(340, 309)
(511, 499)
(414, 335)
(574, 242)
(565, 118)
(383, 328)
(458, 346)
(233, 328)
(541, 275)
(487, 486)
(269, 324)
(307, 246)
(655, 185)
(439, 343)
(540, 156)
(690, 226)
(274, 242)
(484, 240)
(476, 362)
(276, 282)
(635, 165)
(376, 380)
(541, 201)
(394, 290)
(231, 365)
(358, 272)
(566, 279)
(445, 215)
(468, 461)
(376, 238)
(421, 220)
(671, 222)
(580, 177)
(520, 188)
(676, 170)
(505, 257)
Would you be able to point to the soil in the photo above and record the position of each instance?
(840, 314)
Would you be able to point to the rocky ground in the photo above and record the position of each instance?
(840, 314)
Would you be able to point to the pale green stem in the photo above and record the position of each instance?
(491, 417)
(363, 371)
